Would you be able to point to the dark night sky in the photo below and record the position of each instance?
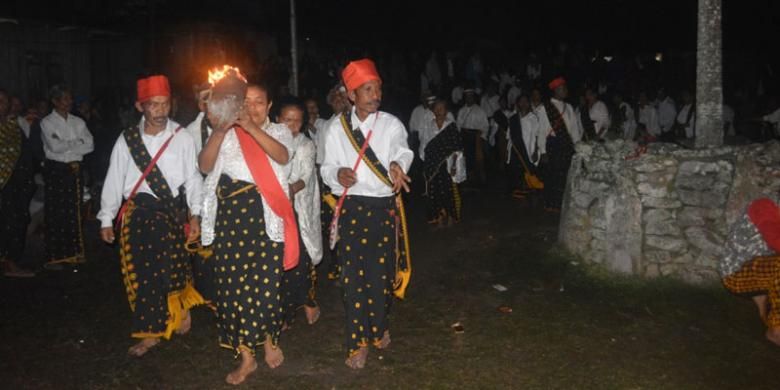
(608, 24)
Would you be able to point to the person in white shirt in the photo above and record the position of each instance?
(686, 118)
(648, 115)
(420, 117)
(154, 265)
(443, 148)
(598, 114)
(315, 123)
(625, 117)
(249, 220)
(522, 156)
(339, 104)
(299, 284)
(199, 129)
(66, 140)
(370, 237)
(560, 129)
(474, 126)
(16, 112)
(773, 118)
(667, 114)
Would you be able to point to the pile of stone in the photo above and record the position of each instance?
(665, 211)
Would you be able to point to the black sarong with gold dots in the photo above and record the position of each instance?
(443, 195)
(155, 268)
(16, 190)
(155, 265)
(247, 269)
(367, 257)
(299, 285)
(62, 212)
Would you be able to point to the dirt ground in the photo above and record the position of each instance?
(570, 327)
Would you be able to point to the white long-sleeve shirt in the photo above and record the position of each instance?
(530, 132)
(429, 130)
(599, 114)
(666, 114)
(628, 127)
(420, 116)
(570, 118)
(388, 141)
(307, 200)
(682, 118)
(194, 130)
(178, 165)
(65, 139)
(473, 117)
(648, 116)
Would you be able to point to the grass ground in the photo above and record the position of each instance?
(571, 326)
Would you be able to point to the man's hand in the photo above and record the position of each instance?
(400, 180)
(347, 177)
(194, 228)
(217, 125)
(107, 235)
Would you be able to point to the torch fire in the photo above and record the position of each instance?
(228, 89)
(217, 74)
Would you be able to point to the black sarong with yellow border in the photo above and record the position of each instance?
(373, 253)
(62, 212)
(247, 268)
(155, 267)
(443, 195)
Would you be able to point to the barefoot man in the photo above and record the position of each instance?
(751, 264)
(372, 215)
(155, 268)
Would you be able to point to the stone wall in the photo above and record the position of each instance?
(665, 212)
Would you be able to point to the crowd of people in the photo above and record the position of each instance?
(236, 213)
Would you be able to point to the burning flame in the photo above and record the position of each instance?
(217, 74)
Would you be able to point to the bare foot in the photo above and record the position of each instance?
(760, 301)
(248, 366)
(312, 314)
(358, 360)
(773, 335)
(273, 354)
(385, 341)
(186, 324)
(143, 346)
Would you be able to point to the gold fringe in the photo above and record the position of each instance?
(330, 200)
(402, 276)
(179, 302)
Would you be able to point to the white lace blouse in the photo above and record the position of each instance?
(230, 161)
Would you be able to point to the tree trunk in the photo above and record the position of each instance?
(709, 81)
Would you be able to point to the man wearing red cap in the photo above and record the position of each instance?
(560, 129)
(750, 263)
(150, 164)
(373, 259)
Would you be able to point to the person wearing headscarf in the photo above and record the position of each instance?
(750, 264)
(373, 250)
(559, 129)
(155, 269)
